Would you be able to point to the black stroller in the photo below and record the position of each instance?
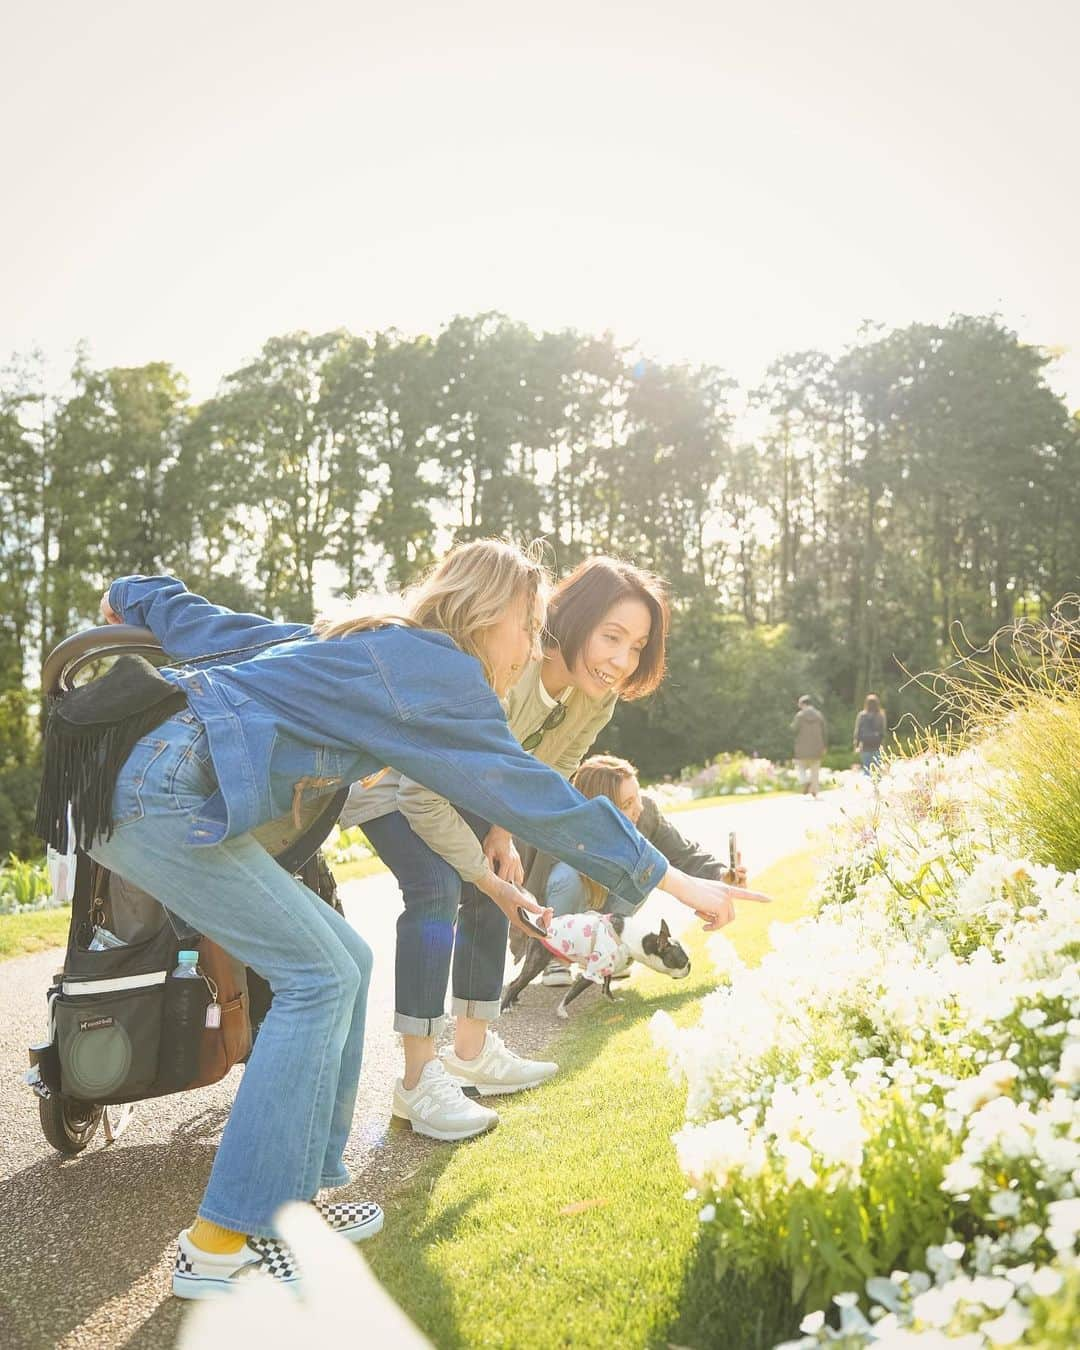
(115, 1036)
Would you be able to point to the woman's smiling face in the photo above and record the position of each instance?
(613, 649)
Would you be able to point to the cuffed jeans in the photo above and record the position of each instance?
(286, 1135)
(435, 897)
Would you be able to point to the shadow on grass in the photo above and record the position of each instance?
(592, 1023)
(727, 1312)
(403, 1267)
(407, 1258)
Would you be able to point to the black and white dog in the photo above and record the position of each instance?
(634, 940)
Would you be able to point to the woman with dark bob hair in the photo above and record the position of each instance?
(604, 638)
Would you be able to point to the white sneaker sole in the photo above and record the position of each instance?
(500, 1089)
(360, 1232)
(445, 1136)
(207, 1286)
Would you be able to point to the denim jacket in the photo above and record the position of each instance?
(286, 711)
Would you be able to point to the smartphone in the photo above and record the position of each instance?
(529, 920)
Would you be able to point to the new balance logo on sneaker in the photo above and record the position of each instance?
(497, 1069)
(437, 1107)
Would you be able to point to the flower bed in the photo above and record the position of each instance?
(743, 775)
(886, 1109)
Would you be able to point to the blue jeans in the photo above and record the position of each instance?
(566, 891)
(871, 759)
(289, 1124)
(435, 897)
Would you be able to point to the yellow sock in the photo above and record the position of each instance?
(211, 1237)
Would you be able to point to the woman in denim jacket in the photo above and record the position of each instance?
(309, 709)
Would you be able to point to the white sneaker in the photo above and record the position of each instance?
(199, 1274)
(559, 974)
(437, 1107)
(497, 1070)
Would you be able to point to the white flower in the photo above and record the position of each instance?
(1045, 1282)
(960, 1176)
(936, 1306)
(1064, 1224)
(1009, 1327)
(991, 1081)
(723, 955)
(991, 1293)
(1022, 1239)
(1068, 1072)
(799, 1162)
(1005, 1204)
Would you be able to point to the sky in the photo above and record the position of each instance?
(716, 182)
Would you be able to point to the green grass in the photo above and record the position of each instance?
(566, 1225)
(21, 934)
(356, 871)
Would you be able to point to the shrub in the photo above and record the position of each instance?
(1038, 747)
(23, 885)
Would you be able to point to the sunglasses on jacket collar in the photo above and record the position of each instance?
(555, 718)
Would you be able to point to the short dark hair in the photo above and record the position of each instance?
(581, 600)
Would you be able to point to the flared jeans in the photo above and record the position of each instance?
(286, 1134)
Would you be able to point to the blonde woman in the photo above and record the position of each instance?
(605, 635)
(297, 712)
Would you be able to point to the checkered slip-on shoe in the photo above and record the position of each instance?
(199, 1274)
(353, 1221)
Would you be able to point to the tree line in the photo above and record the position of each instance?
(821, 532)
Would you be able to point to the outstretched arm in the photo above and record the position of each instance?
(186, 625)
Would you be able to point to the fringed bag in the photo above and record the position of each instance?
(88, 737)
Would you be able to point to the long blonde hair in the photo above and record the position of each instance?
(601, 776)
(462, 596)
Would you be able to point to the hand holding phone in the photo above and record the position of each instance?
(531, 922)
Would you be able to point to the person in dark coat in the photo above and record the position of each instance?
(869, 734)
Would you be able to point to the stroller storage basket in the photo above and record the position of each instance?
(109, 1042)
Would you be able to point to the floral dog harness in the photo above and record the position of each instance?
(587, 940)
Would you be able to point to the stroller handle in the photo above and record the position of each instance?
(68, 657)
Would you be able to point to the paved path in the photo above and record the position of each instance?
(86, 1244)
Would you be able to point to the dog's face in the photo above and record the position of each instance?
(660, 952)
